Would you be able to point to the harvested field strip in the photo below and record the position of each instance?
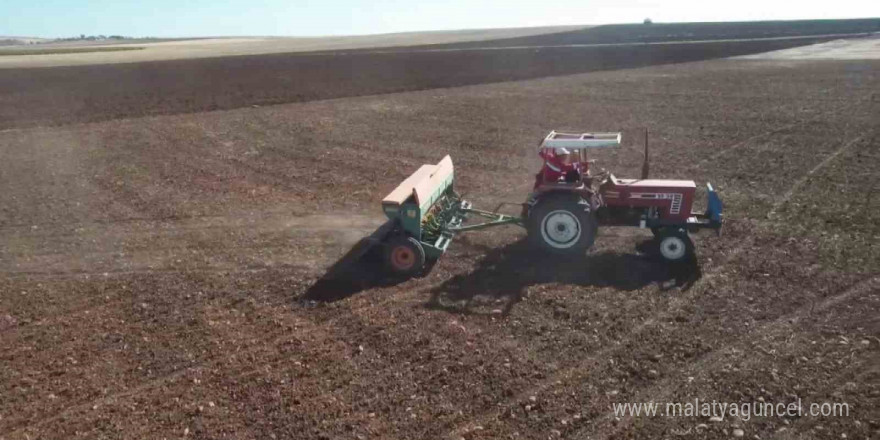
(60, 50)
(64, 95)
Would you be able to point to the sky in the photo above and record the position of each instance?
(193, 18)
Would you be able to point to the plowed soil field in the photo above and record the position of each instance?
(185, 275)
(72, 94)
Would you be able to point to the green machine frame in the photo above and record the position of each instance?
(434, 218)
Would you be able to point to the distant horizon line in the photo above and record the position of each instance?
(569, 26)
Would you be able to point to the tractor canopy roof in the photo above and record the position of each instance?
(580, 141)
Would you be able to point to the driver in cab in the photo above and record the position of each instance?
(559, 165)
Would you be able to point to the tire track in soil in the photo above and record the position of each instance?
(783, 200)
(743, 142)
(195, 270)
(662, 390)
(145, 242)
(311, 224)
(315, 221)
(724, 151)
(804, 179)
(675, 304)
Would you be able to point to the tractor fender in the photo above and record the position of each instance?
(536, 198)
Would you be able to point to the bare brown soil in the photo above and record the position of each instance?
(64, 95)
(162, 276)
(641, 33)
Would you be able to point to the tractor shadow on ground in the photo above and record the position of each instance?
(505, 273)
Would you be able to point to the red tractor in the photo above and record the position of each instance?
(562, 214)
(568, 204)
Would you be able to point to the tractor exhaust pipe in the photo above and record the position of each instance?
(645, 166)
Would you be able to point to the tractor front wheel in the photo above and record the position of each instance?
(562, 225)
(674, 244)
(404, 256)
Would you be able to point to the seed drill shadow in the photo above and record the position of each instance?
(361, 268)
(505, 273)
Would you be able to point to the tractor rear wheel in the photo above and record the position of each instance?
(674, 244)
(563, 225)
(404, 256)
